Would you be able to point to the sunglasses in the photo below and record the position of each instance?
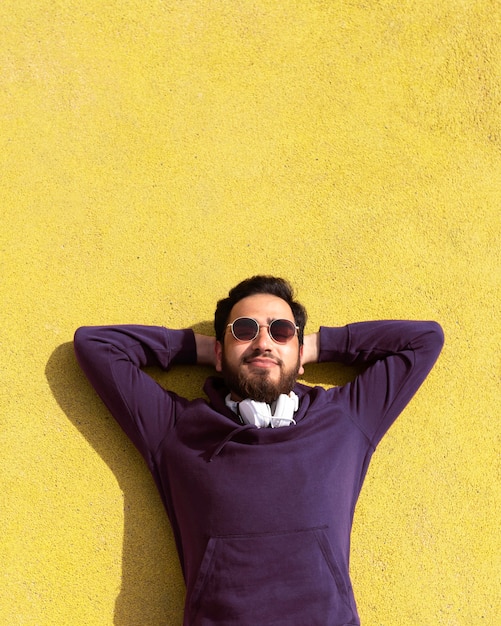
(247, 329)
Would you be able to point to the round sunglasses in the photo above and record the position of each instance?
(247, 329)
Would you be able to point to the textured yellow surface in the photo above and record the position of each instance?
(153, 153)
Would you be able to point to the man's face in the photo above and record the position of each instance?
(260, 369)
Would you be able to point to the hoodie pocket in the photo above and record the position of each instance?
(272, 578)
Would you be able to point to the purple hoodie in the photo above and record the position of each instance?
(262, 517)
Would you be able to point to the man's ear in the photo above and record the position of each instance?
(219, 356)
(301, 368)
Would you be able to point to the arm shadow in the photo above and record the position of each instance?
(152, 592)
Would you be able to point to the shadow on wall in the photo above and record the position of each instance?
(143, 599)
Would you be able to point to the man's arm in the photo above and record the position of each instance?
(113, 358)
(397, 356)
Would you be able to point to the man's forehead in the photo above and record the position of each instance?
(263, 307)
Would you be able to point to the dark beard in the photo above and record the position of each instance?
(258, 386)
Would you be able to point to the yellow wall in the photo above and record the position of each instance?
(153, 153)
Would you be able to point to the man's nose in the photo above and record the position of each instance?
(262, 339)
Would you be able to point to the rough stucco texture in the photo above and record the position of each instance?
(153, 153)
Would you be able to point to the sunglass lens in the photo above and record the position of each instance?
(245, 328)
(282, 330)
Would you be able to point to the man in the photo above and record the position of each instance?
(260, 482)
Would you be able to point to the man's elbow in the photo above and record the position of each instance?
(83, 340)
(436, 337)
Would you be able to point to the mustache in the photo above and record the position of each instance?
(260, 353)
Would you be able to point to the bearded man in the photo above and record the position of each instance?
(261, 480)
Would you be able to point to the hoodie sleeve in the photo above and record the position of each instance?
(112, 358)
(397, 356)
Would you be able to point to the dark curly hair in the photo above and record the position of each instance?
(272, 285)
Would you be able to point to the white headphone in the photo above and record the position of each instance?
(261, 415)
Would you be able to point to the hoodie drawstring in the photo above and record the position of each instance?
(239, 429)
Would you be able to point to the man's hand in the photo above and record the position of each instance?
(206, 349)
(311, 348)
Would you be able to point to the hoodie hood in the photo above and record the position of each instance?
(216, 390)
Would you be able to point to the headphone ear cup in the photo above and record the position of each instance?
(245, 411)
(281, 408)
(286, 406)
(256, 413)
